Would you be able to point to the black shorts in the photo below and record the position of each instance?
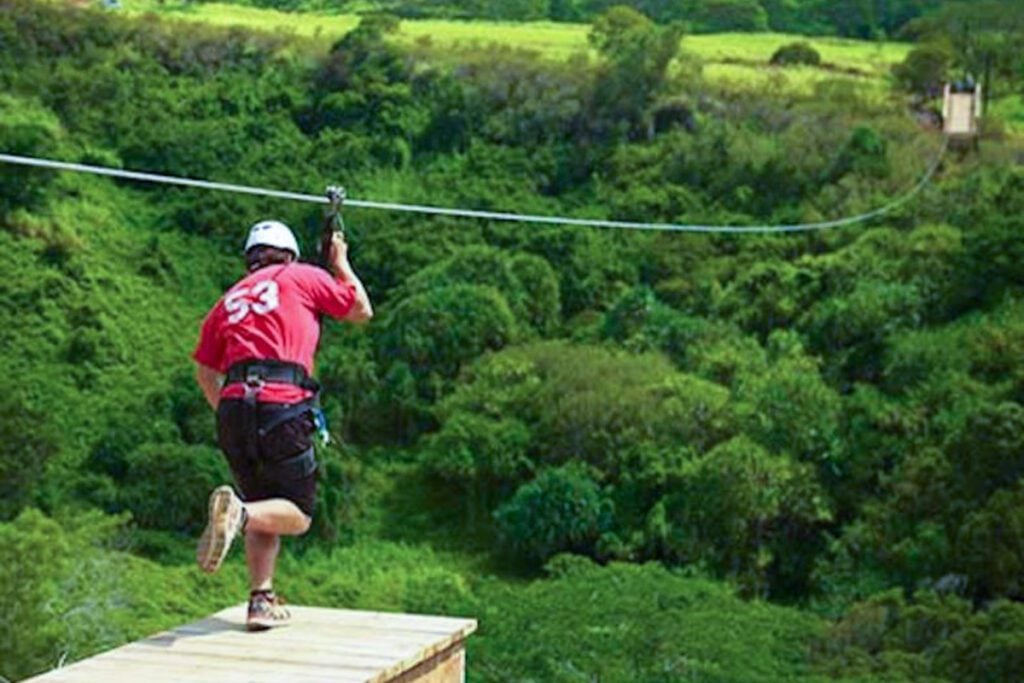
(279, 464)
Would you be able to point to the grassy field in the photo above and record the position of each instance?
(1011, 111)
(731, 56)
(796, 81)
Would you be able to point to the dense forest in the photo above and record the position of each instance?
(634, 456)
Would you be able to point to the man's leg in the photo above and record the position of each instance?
(278, 516)
(261, 556)
(267, 521)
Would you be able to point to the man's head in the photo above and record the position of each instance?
(270, 242)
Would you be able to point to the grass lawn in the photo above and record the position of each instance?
(726, 53)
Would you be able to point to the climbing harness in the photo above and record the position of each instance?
(254, 375)
(490, 215)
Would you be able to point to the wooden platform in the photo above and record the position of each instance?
(960, 113)
(319, 646)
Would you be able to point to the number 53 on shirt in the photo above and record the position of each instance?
(262, 298)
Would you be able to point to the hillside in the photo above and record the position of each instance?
(633, 456)
(727, 57)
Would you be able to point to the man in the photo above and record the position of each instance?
(254, 363)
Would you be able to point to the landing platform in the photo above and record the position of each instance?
(319, 646)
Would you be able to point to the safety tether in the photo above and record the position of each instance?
(488, 215)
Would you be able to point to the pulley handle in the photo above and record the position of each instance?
(333, 222)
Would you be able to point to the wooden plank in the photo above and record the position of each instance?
(97, 671)
(320, 646)
(289, 670)
(342, 657)
(346, 655)
(287, 637)
(381, 620)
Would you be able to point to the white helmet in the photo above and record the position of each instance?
(272, 234)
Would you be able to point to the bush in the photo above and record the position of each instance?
(24, 452)
(33, 553)
(166, 485)
(796, 53)
(527, 282)
(481, 457)
(26, 129)
(434, 333)
(629, 623)
(744, 512)
(933, 637)
(562, 510)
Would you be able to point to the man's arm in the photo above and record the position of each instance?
(210, 381)
(361, 310)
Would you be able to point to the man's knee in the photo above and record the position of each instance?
(304, 525)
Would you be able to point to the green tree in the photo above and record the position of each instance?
(26, 446)
(990, 545)
(790, 409)
(482, 458)
(768, 296)
(566, 10)
(925, 69)
(715, 16)
(742, 510)
(562, 510)
(437, 332)
(988, 454)
(985, 38)
(636, 56)
(933, 636)
(527, 282)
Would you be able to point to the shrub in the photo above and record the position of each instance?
(480, 456)
(562, 510)
(800, 52)
(526, 281)
(743, 512)
(933, 637)
(24, 452)
(166, 485)
(436, 332)
(26, 129)
(628, 623)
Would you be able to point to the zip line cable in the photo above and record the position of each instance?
(488, 215)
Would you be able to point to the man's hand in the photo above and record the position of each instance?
(210, 381)
(339, 253)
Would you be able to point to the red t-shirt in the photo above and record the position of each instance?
(272, 314)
